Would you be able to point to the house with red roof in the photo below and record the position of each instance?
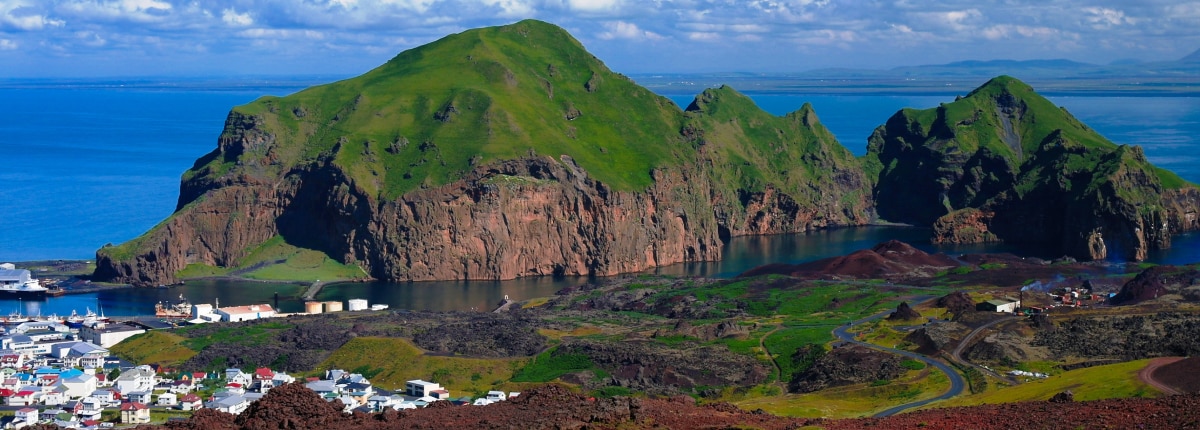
(22, 398)
(191, 402)
(135, 413)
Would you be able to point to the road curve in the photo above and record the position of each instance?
(956, 381)
(1147, 374)
(962, 344)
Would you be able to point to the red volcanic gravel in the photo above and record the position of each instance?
(295, 407)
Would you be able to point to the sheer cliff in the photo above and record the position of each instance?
(1005, 164)
(498, 153)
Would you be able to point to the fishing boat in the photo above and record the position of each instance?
(180, 309)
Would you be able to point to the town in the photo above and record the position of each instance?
(61, 372)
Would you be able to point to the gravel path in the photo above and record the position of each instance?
(1147, 374)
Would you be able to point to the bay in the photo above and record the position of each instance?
(92, 165)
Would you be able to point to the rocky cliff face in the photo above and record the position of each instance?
(1005, 164)
(462, 160)
(526, 217)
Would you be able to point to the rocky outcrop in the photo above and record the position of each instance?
(658, 369)
(904, 313)
(1159, 281)
(957, 302)
(845, 366)
(1005, 164)
(937, 336)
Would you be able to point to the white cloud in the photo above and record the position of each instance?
(90, 39)
(231, 17)
(8, 45)
(512, 8)
(594, 6)
(1007, 31)
(280, 33)
(1104, 18)
(703, 36)
(25, 15)
(626, 30)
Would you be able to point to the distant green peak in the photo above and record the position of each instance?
(707, 100)
(1002, 84)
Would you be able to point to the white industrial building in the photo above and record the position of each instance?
(357, 304)
(245, 313)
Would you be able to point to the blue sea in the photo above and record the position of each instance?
(86, 165)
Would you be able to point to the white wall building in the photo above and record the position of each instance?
(420, 388)
(245, 313)
(107, 335)
(357, 304)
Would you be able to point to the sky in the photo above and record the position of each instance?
(114, 38)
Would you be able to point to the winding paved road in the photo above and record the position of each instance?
(957, 383)
(957, 354)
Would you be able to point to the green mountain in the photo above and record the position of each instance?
(1005, 164)
(493, 154)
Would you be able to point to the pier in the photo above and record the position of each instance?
(311, 292)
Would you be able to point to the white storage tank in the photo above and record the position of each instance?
(357, 304)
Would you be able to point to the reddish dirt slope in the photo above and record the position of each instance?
(1183, 375)
(888, 259)
(296, 407)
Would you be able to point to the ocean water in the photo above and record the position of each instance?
(85, 166)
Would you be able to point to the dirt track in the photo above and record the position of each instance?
(1147, 374)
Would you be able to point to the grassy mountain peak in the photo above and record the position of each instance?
(433, 112)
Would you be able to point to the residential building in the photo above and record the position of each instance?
(234, 404)
(420, 388)
(190, 402)
(168, 399)
(135, 413)
(139, 378)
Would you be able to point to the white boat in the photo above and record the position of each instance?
(20, 282)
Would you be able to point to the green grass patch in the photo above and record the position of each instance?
(394, 361)
(1110, 381)
(154, 347)
(549, 365)
(911, 364)
(200, 270)
(252, 334)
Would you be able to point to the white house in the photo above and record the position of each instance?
(24, 417)
(420, 388)
(143, 397)
(229, 404)
(83, 354)
(190, 402)
(497, 396)
(245, 313)
(167, 399)
(140, 378)
(56, 397)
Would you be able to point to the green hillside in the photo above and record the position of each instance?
(433, 112)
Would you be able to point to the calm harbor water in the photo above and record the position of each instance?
(89, 166)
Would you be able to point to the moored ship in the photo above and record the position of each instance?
(180, 309)
(19, 282)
